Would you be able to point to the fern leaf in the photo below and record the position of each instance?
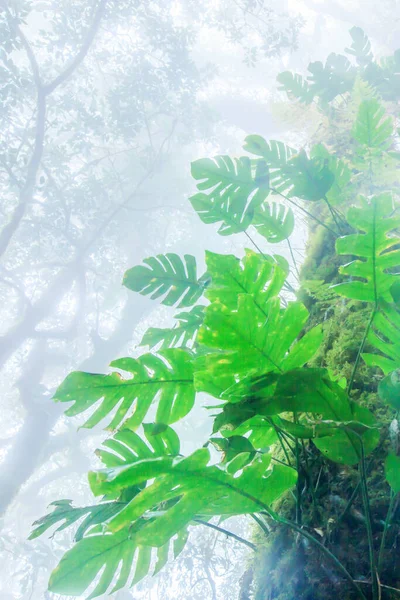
(375, 249)
(372, 128)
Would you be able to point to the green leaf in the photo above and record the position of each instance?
(252, 339)
(344, 446)
(192, 488)
(81, 565)
(360, 47)
(169, 276)
(167, 377)
(375, 248)
(325, 81)
(335, 77)
(127, 447)
(183, 333)
(384, 335)
(274, 221)
(392, 472)
(372, 128)
(306, 178)
(67, 514)
(295, 86)
(389, 389)
(235, 189)
(339, 191)
(275, 153)
(260, 276)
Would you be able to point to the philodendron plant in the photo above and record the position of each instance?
(242, 339)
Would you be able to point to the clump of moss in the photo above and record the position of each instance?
(289, 568)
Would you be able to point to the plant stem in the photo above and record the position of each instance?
(387, 524)
(275, 191)
(360, 349)
(333, 215)
(261, 523)
(367, 510)
(293, 259)
(227, 533)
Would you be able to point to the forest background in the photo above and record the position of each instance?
(95, 177)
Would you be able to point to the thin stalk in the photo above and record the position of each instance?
(333, 215)
(360, 349)
(227, 533)
(261, 523)
(385, 530)
(367, 510)
(275, 191)
(293, 259)
(298, 484)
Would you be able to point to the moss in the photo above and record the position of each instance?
(287, 568)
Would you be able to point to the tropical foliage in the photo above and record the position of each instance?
(249, 345)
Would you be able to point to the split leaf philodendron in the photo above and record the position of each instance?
(246, 341)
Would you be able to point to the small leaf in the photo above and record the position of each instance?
(392, 472)
(389, 389)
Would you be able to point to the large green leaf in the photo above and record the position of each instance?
(262, 276)
(183, 333)
(344, 446)
(373, 128)
(360, 47)
(274, 221)
(187, 488)
(325, 81)
(235, 188)
(252, 339)
(66, 515)
(306, 178)
(392, 472)
(81, 565)
(167, 377)
(335, 77)
(275, 153)
(375, 249)
(169, 276)
(127, 446)
(337, 422)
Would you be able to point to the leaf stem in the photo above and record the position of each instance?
(275, 191)
(227, 533)
(387, 524)
(360, 349)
